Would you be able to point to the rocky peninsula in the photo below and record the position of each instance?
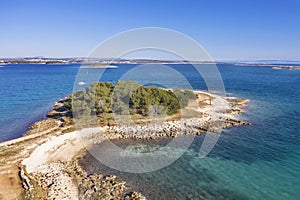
(43, 164)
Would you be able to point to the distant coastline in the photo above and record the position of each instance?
(287, 67)
(109, 62)
(99, 66)
(94, 61)
(274, 66)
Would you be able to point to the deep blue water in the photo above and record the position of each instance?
(28, 92)
(260, 161)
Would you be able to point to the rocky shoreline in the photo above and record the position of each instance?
(49, 168)
(194, 126)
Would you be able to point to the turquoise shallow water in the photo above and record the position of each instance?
(260, 161)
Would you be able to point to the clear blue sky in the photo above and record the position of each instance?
(228, 29)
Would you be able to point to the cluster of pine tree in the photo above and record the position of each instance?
(127, 97)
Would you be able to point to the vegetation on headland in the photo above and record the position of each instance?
(105, 99)
(101, 96)
(190, 107)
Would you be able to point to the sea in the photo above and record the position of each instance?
(259, 161)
